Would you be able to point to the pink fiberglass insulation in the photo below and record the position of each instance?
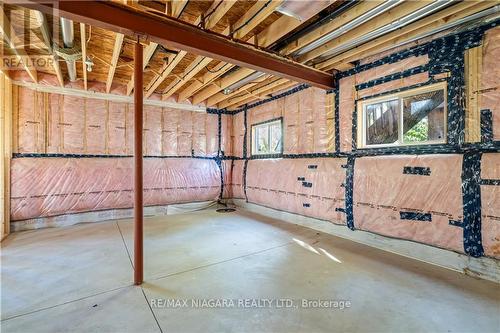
(117, 131)
(227, 173)
(490, 78)
(53, 186)
(237, 189)
(72, 124)
(94, 117)
(152, 130)
(490, 205)
(346, 109)
(227, 133)
(382, 191)
(310, 187)
(30, 121)
(55, 123)
(305, 123)
(238, 134)
(171, 118)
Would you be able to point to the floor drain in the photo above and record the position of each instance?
(225, 210)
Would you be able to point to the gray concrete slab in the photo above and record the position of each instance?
(123, 310)
(46, 267)
(387, 293)
(179, 243)
(216, 257)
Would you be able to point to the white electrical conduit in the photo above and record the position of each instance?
(493, 12)
(349, 26)
(414, 16)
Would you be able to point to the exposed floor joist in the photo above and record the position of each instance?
(128, 20)
(10, 38)
(448, 15)
(114, 60)
(83, 39)
(47, 39)
(377, 22)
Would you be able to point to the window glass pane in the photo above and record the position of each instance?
(275, 138)
(382, 121)
(423, 117)
(261, 140)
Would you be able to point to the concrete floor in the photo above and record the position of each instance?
(78, 278)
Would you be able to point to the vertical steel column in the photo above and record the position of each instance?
(138, 184)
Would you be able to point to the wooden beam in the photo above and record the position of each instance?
(222, 67)
(83, 39)
(218, 9)
(209, 77)
(473, 68)
(233, 100)
(258, 13)
(221, 96)
(264, 94)
(149, 51)
(199, 63)
(379, 21)
(47, 39)
(114, 60)
(10, 38)
(447, 15)
(336, 23)
(222, 84)
(178, 7)
(127, 20)
(6, 131)
(165, 72)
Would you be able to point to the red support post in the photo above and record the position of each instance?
(138, 181)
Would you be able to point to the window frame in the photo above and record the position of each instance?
(253, 137)
(399, 96)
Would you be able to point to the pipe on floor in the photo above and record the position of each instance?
(138, 181)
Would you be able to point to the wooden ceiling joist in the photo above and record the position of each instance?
(236, 99)
(47, 39)
(216, 12)
(222, 84)
(114, 60)
(165, 72)
(339, 21)
(258, 13)
(198, 64)
(83, 40)
(10, 38)
(208, 77)
(212, 101)
(250, 18)
(286, 25)
(377, 22)
(148, 53)
(265, 93)
(427, 24)
(130, 21)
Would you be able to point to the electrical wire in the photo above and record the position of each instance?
(251, 18)
(209, 14)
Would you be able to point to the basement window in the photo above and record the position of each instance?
(267, 137)
(412, 117)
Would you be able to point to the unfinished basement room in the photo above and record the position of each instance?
(291, 166)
